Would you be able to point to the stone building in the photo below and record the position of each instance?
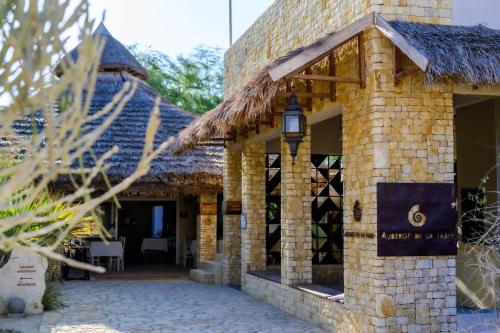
(357, 232)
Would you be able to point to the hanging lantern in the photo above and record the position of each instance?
(294, 125)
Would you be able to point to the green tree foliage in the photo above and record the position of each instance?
(192, 82)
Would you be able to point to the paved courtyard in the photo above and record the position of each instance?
(164, 306)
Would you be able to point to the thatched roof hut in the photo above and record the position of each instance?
(114, 58)
(197, 171)
(451, 54)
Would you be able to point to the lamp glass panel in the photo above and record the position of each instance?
(292, 124)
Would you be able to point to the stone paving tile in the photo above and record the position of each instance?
(164, 306)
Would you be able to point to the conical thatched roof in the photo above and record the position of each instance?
(114, 57)
(199, 170)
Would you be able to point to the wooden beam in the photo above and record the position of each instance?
(271, 119)
(361, 60)
(326, 78)
(333, 85)
(302, 94)
(309, 89)
(226, 138)
(318, 51)
(416, 56)
(490, 90)
(405, 72)
(211, 144)
(395, 61)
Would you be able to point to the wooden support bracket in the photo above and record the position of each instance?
(333, 85)
(326, 78)
(361, 60)
(398, 72)
(309, 89)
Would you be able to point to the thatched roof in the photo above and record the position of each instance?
(199, 170)
(450, 54)
(243, 109)
(457, 54)
(115, 57)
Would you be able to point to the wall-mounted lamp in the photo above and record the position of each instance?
(294, 125)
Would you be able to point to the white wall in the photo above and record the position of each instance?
(472, 12)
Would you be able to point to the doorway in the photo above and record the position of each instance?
(148, 229)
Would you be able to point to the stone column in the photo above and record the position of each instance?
(394, 133)
(231, 251)
(253, 181)
(296, 243)
(206, 227)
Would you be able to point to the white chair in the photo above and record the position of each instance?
(194, 251)
(112, 250)
(123, 239)
(188, 253)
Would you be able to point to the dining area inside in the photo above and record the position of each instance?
(146, 238)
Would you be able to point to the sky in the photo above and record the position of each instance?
(176, 26)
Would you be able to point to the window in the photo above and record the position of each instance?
(157, 222)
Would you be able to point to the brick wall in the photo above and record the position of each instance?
(231, 250)
(289, 24)
(253, 237)
(296, 243)
(326, 313)
(206, 228)
(391, 133)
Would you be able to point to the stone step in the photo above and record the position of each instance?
(210, 266)
(218, 257)
(214, 267)
(201, 276)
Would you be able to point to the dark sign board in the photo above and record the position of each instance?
(232, 207)
(416, 219)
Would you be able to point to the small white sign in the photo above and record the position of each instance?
(23, 276)
(243, 221)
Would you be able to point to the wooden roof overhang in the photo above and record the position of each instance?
(311, 55)
(297, 66)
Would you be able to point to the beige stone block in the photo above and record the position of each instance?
(405, 298)
(423, 313)
(385, 306)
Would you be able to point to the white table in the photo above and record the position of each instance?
(114, 249)
(154, 244)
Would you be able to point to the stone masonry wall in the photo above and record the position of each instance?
(253, 237)
(296, 243)
(289, 24)
(391, 133)
(231, 250)
(326, 313)
(395, 133)
(206, 228)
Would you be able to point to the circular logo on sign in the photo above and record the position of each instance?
(416, 217)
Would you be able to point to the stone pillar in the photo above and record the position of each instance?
(394, 133)
(296, 243)
(231, 251)
(253, 181)
(206, 227)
